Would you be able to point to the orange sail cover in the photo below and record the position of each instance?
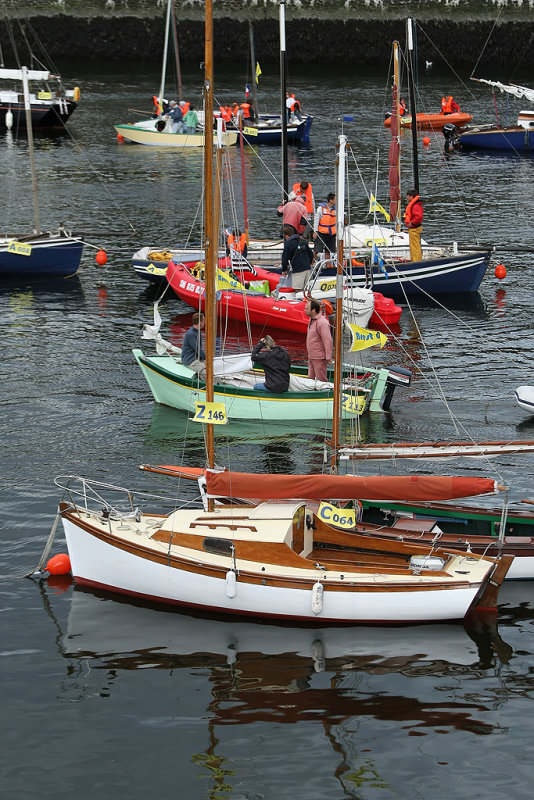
(344, 487)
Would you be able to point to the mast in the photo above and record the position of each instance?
(165, 51)
(394, 147)
(283, 109)
(210, 234)
(35, 187)
(253, 67)
(413, 109)
(338, 353)
(177, 51)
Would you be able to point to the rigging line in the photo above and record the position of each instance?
(490, 34)
(448, 63)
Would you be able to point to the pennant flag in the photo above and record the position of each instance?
(258, 72)
(375, 206)
(224, 281)
(376, 258)
(362, 338)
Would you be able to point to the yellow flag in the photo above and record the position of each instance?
(258, 72)
(375, 206)
(362, 338)
(224, 281)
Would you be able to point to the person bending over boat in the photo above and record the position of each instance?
(413, 218)
(318, 341)
(193, 355)
(294, 213)
(297, 256)
(276, 364)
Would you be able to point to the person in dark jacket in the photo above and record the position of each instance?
(298, 255)
(193, 355)
(276, 364)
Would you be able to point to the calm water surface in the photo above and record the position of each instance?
(106, 698)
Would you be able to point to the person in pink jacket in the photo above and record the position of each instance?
(294, 213)
(318, 341)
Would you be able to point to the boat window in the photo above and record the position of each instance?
(221, 547)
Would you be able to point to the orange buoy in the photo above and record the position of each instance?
(500, 271)
(426, 140)
(327, 307)
(101, 257)
(120, 137)
(59, 565)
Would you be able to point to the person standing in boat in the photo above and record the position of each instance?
(176, 116)
(191, 120)
(193, 355)
(324, 226)
(318, 341)
(413, 218)
(304, 190)
(297, 256)
(294, 213)
(276, 364)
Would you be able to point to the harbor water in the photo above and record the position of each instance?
(108, 698)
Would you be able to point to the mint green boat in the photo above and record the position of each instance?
(175, 385)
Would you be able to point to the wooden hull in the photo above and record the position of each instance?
(433, 121)
(155, 138)
(176, 560)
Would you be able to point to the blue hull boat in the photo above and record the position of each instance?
(513, 139)
(268, 130)
(44, 256)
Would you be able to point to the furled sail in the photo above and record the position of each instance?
(510, 88)
(226, 483)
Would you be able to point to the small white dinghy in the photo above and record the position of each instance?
(525, 398)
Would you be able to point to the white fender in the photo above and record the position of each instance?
(9, 120)
(317, 597)
(231, 583)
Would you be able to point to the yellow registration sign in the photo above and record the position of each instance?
(214, 413)
(353, 404)
(340, 517)
(250, 131)
(44, 96)
(19, 248)
(156, 270)
(378, 242)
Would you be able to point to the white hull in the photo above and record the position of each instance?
(147, 134)
(101, 564)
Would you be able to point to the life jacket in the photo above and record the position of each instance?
(185, 108)
(446, 105)
(246, 110)
(327, 223)
(290, 102)
(238, 244)
(409, 207)
(226, 113)
(307, 195)
(158, 108)
(402, 109)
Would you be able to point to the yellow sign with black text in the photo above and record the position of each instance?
(19, 248)
(213, 413)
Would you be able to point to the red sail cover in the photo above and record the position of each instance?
(394, 147)
(344, 487)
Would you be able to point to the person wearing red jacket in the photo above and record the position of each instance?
(318, 341)
(413, 218)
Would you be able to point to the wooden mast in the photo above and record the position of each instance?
(177, 52)
(396, 133)
(338, 355)
(210, 234)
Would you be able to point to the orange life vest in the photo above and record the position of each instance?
(238, 244)
(409, 207)
(446, 105)
(327, 223)
(246, 110)
(307, 195)
(185, 108)
(402, 108)
(157, 106)
(226, 113)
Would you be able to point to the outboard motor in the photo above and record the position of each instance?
(449, 131)
(387, 115)
(398, 376)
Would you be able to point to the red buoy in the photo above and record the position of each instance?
(500, 271)
(101, 257)
(59, 565)
(120, 137)
(426, 140)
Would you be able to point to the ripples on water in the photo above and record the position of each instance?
(108, 696)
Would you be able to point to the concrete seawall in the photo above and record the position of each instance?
(318, 31)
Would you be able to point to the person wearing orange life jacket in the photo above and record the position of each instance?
(226, 113)
(237, 242)
(304, 190)
(248, 111)
(413, 218)
(324, 226)
(449, 105)
(402, 107)
(184, 105)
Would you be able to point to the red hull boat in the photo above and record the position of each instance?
(261, 309)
